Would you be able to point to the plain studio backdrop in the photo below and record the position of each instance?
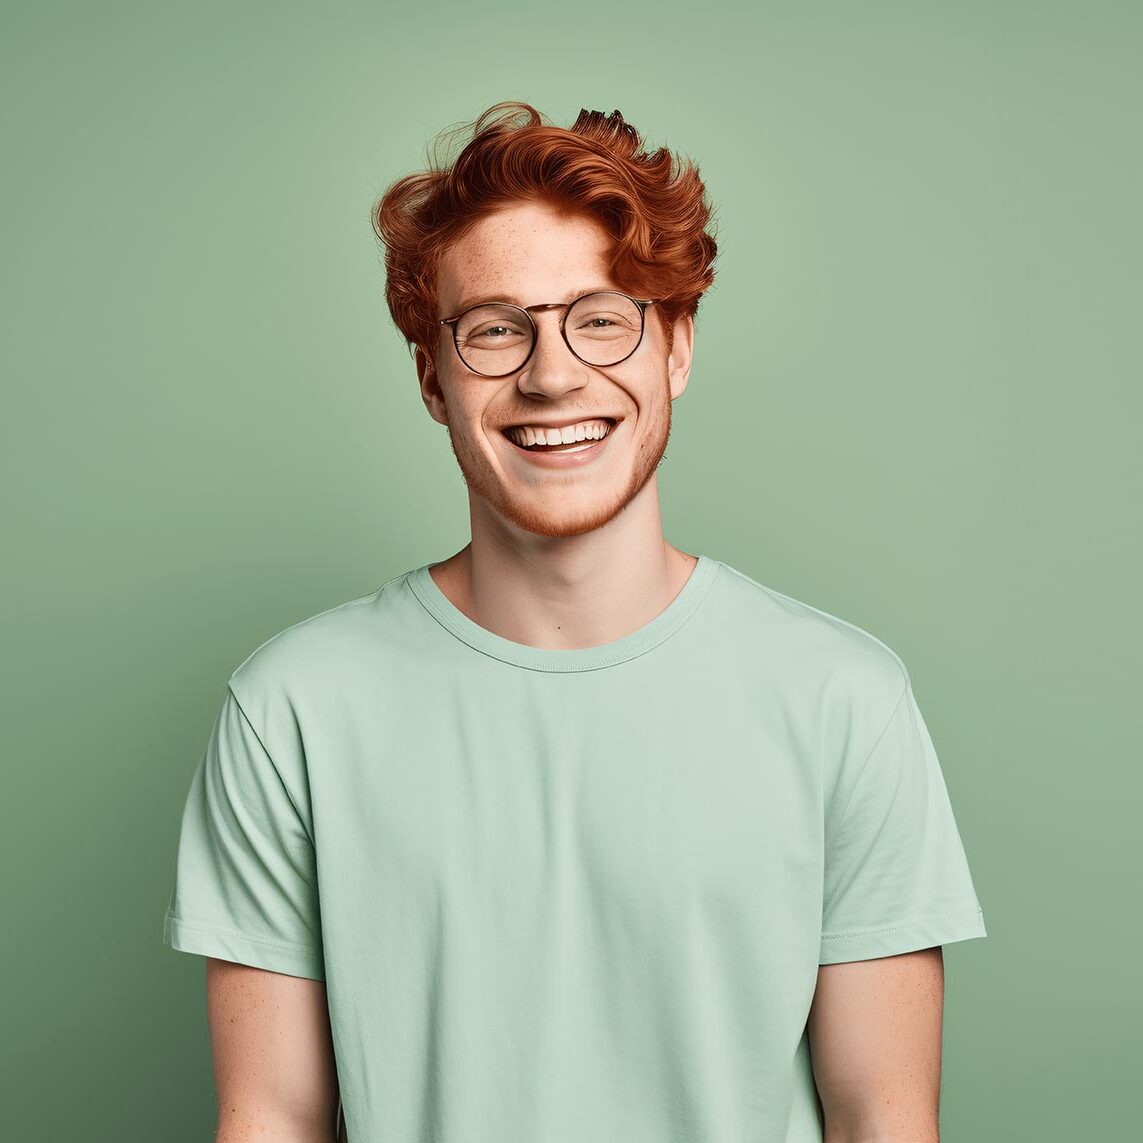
(915, 404)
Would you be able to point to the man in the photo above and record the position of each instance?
(573, 835)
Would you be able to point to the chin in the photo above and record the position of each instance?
(557, 523)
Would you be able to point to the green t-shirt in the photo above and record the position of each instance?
(562, 895)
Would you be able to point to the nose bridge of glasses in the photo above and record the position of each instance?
(541, 345)
(542, 307)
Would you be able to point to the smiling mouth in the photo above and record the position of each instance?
(572, 438)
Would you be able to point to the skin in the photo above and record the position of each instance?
(875, 1043)
(557, 559)
(275, 1075)
(566, 559)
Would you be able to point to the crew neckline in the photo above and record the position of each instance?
(481, 639)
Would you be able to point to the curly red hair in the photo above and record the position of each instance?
(653, 204)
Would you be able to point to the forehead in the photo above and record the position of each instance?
(527, 253)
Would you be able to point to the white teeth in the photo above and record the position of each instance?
(593, 430)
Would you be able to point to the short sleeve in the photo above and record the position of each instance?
(896, 875)
(245, 886)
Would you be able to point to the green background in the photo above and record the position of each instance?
(915, 404)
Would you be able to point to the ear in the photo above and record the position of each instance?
(430, 387)
(682, 351)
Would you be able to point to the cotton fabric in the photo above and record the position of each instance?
(563, 895)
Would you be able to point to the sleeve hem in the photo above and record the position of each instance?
(242, 948)
(921, 933)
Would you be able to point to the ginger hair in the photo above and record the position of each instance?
(652, 204)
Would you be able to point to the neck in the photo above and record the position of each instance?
(565, 593)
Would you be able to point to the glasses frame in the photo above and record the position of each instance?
(527, 311)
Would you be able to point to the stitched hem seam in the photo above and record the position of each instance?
(841, 935)
(238, 934)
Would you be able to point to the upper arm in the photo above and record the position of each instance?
(274, 1067)
(875, 1042)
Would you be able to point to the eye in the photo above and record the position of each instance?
(603, 321)
(486, 334)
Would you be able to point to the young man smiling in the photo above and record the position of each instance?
(573, 835)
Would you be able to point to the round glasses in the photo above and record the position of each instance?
(495, 339)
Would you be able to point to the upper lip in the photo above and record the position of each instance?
(561, 424)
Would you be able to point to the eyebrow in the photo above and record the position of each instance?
(468, 303)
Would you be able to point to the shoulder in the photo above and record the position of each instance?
(814, 651)
(311, 659)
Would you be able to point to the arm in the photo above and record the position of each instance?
(875, 1043)
(274, 1070)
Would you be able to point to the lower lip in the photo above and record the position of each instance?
(562, 459)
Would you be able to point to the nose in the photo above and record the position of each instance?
(553, 369)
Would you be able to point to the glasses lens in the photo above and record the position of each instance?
(493, 339)
(604, 328)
